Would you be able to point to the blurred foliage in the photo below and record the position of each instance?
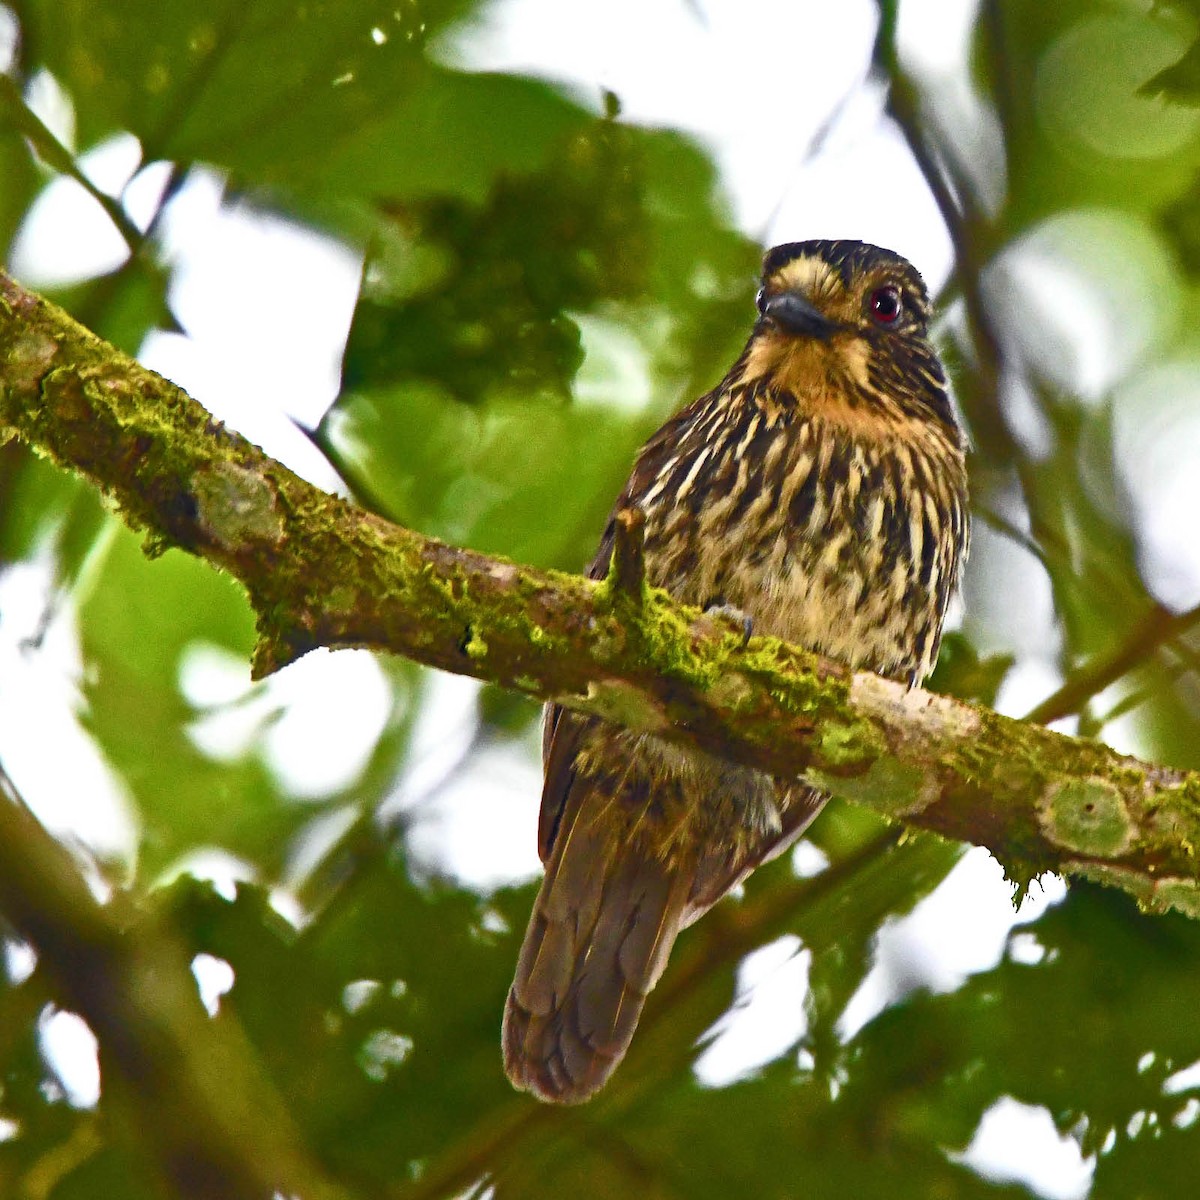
(543, 280)
(456, 413)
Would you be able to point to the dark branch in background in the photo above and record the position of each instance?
(320, 572)
(219, 1129)
(1158, 627)
(973, 235)
(56, 156)
(970, 235)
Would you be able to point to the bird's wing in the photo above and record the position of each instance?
(562, 732)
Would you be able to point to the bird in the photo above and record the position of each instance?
(820, 490)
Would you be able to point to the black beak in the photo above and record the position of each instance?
(796, 315)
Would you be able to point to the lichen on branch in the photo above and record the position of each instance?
(321, 572)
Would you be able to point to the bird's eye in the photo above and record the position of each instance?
(885, 305)
(760, 298)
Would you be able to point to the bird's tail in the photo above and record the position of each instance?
(602, 928)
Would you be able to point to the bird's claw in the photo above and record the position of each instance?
(734, 614)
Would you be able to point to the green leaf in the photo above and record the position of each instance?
(20, 181)
(137, 621)
(383, 1048)
(37, 502)
(256, 87)
(1086, 1016)
(140, 618)
(1180, 81)
(486, 478)
(963, 673)
(478, 326)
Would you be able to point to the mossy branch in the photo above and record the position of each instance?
(320, 572)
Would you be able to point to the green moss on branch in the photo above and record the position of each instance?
(320, 572)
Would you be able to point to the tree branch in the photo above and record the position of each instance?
(320, 572)
(219, 1128)
(970, 234)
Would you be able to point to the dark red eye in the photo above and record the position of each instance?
(885, 305)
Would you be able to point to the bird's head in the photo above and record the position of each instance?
(844, 328)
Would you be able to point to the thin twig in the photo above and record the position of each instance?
(56, 156)
(969, 230)
(1157, 627)
(1013, 532)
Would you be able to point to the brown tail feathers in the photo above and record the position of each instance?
(602, 927)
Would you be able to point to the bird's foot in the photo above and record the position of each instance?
(743, 620)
